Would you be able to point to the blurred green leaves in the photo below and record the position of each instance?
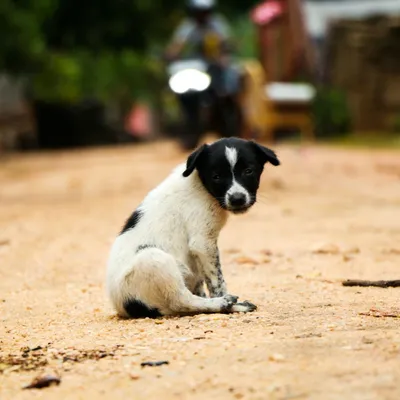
(22, 43)
(245, 35)
(331, 113)
(73, 49)
(72, 76)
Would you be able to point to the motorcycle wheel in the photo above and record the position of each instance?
(192, 126)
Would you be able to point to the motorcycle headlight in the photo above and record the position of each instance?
(189, 79)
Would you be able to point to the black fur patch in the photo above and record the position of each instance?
(217, 174)
(145, 246)
(132, 221)
(136, 309)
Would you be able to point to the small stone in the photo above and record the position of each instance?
(394, 251)
(43, 381)
(277, 184)
(366, 340)
(13, 368)
(246, 260)
(266, 252)
(287, 211)
(308, 335)
(347, 258)
(154, 363)
(67, 366)
(276, 357)
(159, 322)
(328, 248)
(314, 275)
(4, 367)
(232, 251)
(351, 250)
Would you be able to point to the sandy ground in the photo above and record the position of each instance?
(325, 215)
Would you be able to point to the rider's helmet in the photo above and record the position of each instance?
(200, 10)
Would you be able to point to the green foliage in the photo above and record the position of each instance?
(99, 48)
(396, 123)
(244, 33)
(331, 113)
(23, 43)
(105, 76)
(235, 8)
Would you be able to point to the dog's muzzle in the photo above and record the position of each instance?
(237, 202)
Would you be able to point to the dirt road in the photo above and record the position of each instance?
(325, 215)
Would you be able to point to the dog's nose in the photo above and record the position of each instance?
(237, 199)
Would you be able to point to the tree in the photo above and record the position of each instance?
(72, 48)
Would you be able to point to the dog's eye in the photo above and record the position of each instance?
(248, 171)
(216, 177)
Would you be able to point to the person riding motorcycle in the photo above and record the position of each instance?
(206, 34)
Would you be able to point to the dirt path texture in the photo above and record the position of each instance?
(324, 216)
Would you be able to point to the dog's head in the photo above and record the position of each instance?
(230, 170)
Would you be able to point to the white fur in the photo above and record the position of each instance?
(183, 221)
(231, 155)
(237, 188)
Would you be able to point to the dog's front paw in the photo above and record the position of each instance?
(228, 301)
(244, 306)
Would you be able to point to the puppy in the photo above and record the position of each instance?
(167, 251)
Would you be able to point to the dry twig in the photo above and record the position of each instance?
(363, 283)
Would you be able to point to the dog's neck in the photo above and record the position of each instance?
(194, 184)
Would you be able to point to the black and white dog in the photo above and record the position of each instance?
(168, 248)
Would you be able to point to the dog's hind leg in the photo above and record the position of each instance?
(199, 289)
(155, 286)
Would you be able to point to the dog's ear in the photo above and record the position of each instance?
(193, 159)
(267, 155)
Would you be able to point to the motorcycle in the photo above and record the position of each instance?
(199, 88)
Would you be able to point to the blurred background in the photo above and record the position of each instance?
(81, 73)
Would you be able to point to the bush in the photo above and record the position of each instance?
(396, 124)
(331, 113)
(103, 76)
